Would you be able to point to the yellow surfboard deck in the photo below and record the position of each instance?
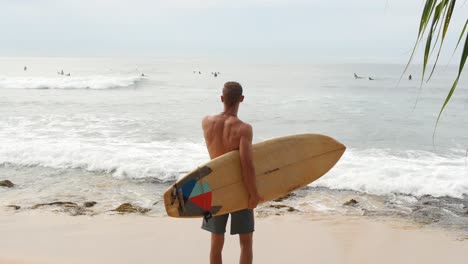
(282, 165)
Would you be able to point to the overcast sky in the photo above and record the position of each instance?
(311, 30)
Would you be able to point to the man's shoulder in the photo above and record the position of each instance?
(208, 118)
(245, 128)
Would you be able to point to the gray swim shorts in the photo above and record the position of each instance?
(242, 222)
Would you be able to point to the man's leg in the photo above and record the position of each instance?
(217, 243)
(217, 227)
(246, 255)
(243, 223)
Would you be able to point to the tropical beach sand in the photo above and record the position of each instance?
(32, 238)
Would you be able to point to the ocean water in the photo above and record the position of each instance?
(109, 134)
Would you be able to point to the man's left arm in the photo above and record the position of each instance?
(248, 169)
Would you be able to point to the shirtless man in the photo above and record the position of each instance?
(225, 132)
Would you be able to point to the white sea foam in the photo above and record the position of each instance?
(164, 160)
(380, 171)
(97, 82)
(375, 171)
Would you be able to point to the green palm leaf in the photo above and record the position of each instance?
(440, 28)
(461, 35)
(454, 86)
(426, 14)
(435, 21)
(448, 17)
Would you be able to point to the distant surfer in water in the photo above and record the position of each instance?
(225, 132)
(410, 77)
(357, 77)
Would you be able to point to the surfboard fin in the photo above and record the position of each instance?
(207, 216)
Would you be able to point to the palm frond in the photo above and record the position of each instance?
(448, 17)
(435, 21)
(425, 16)
(461, 35)
(454, 86)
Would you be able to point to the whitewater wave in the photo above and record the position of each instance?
(374, 171)
(412, 172)
(163, 160)
(97, 82)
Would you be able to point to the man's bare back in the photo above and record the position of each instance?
(224, 133)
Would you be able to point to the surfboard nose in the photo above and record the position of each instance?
(336, 146)
(340, 146)
(320, 143)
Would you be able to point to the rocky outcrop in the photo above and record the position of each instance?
(351, 202)
(6, 183)
(130, 208)
(287, 196)
(66, 207)
(16, 207)
(281, 206)
(64, 204)
(89, 204)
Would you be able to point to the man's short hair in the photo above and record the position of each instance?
(232, 93)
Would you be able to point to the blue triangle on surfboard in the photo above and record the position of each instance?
(200, 188)
(188, 187)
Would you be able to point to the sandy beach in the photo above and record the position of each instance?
(32, 238)
(114, 116)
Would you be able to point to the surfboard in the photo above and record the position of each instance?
(282, 165)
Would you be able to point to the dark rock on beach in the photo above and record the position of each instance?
(66, 207)
(16, 207)
(278, 206)
(129, 208)
(64, 204)
(7, 183)
(89, 204)
(281, 206)
(287, 196)
(351, 202)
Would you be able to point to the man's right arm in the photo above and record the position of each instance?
(247, 165)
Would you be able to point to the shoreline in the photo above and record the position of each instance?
(47, 238)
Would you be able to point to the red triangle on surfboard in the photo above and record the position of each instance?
(203, 201)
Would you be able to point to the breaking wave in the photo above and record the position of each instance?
(97, 82)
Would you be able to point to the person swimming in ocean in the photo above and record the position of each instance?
(357, 77)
